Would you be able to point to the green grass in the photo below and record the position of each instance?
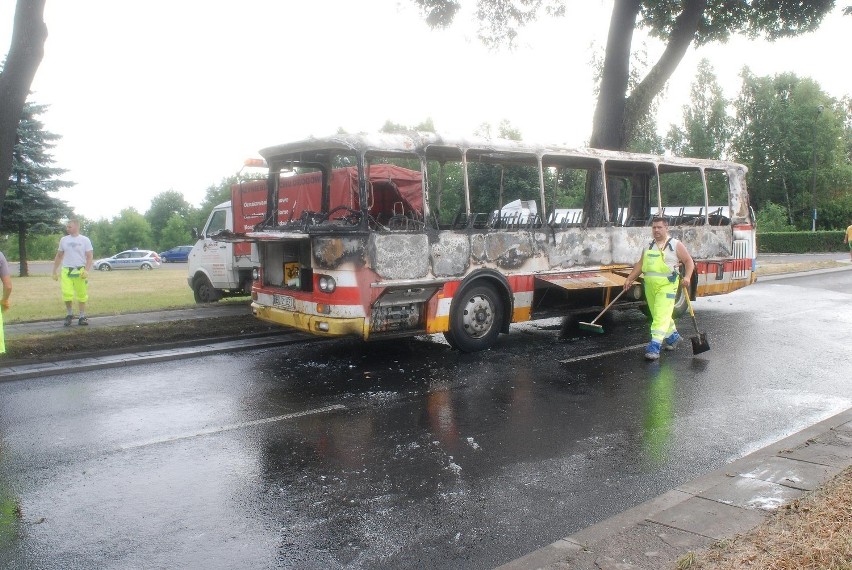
(110, 293)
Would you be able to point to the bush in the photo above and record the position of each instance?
(801, 242)
(772, 218)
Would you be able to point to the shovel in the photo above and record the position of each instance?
(699, 343)
(598, 328)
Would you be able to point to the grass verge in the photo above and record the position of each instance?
(812, 533)
(38, 297)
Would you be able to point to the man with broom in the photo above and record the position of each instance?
(660, 263)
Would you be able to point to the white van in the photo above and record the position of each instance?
(219, 269)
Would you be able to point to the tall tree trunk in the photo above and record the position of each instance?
(25, 55)
(787, 198)
(24, 270)
(639, 102)
(607, 127)
(616, 114)
(609, 112)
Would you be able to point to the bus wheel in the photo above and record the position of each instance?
(679, 306)
(680, 303)
(204, 291)
(476, 318)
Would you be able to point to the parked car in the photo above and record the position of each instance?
(131, 259)
(176, 254)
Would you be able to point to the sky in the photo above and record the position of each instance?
(159, 95)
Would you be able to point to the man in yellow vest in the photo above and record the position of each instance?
(660, 265)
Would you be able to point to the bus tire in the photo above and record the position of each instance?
(476, 317)
(679, 306)
(203, 290)
(680, 303)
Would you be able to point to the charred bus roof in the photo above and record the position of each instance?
(435, 147)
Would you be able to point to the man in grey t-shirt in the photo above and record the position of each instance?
(75, 255)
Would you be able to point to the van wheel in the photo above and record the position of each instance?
(476, 317)
(203, 290)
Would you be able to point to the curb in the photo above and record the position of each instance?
(692, 516)
(801, 273)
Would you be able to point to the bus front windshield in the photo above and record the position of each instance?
(318, 189)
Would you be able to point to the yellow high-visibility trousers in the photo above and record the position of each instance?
(660, 294)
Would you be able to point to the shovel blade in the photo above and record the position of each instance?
(700, 344)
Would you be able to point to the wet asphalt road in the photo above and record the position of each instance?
(406, 454)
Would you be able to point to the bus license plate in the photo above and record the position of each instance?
(283, 302)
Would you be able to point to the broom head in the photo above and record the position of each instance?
(591, 327)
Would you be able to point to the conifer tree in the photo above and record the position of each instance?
(29, 205)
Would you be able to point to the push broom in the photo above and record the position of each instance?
(592, 327)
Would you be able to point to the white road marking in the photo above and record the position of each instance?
(599, 354)
(231, 427)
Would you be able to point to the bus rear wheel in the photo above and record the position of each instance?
(475, 318)
(679, 306)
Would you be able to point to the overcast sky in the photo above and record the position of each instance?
(174, 94)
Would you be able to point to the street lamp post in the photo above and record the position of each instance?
(813, 172)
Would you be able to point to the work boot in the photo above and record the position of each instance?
(83, 321)
(652, 352)
(672, 341)
(68, 319)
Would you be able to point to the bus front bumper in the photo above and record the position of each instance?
(312, 324)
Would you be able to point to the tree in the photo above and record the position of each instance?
(783, 124)
(678, 23)
(645, 138)
(163, 206)
(176, 232)
(773, 218)
(706, 129)
(25, 54)
(427, 126)
(101, 234)
(213, 196)
(29, 205)
(131, 229)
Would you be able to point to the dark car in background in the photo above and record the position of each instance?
(176, 254)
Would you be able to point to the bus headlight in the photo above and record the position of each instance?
(255, 274)
(327, 284)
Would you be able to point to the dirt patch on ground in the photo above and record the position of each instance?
(81, 341)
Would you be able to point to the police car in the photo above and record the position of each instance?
(131, 259)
